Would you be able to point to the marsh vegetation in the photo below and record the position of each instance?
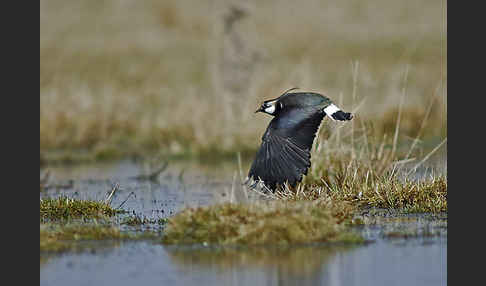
(165, 80)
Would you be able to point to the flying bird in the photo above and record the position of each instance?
(284, 154)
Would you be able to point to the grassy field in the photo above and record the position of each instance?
(183, 78)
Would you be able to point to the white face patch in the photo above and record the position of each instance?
(330, 110)
(270, 109)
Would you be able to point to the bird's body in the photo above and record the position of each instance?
(284, 155)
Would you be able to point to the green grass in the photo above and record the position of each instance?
(272, 222)
(60, 238)
(75, 236)
(64, 208)
(68, 225)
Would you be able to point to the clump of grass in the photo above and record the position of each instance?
(64, 208)
(269, 222)
(65, 232)
(55, 237)
(409, 196)
(403, 195)
(59, 238)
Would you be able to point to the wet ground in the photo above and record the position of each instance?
(402, 249)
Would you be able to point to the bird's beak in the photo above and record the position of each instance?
(259, 109)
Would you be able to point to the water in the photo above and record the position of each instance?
(416, 260)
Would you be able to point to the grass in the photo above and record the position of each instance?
(75, 236)
(56, 238)
(118, 81)
(61, 227)
(174, 78)
(74, 225)
(405, 195)
(273, 222)
(64, 208)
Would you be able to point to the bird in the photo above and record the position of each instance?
(285, 151)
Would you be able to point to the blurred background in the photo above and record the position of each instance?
(183, 78)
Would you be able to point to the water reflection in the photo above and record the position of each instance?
(379, 263)
(272, 265)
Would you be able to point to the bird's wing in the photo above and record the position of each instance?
(279, 160)
(285, 151)
(298, 124)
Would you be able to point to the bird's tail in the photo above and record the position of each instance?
(336, 113)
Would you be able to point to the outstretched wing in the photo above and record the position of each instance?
(284, 155)
(278, 161)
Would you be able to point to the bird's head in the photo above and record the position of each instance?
(273, 106)
(269, 107)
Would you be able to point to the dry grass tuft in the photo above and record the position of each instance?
(403, 195)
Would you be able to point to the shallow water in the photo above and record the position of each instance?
(420, 259)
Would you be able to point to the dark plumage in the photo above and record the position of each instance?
(284, 155)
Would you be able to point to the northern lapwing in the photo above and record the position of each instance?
(284, 155)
